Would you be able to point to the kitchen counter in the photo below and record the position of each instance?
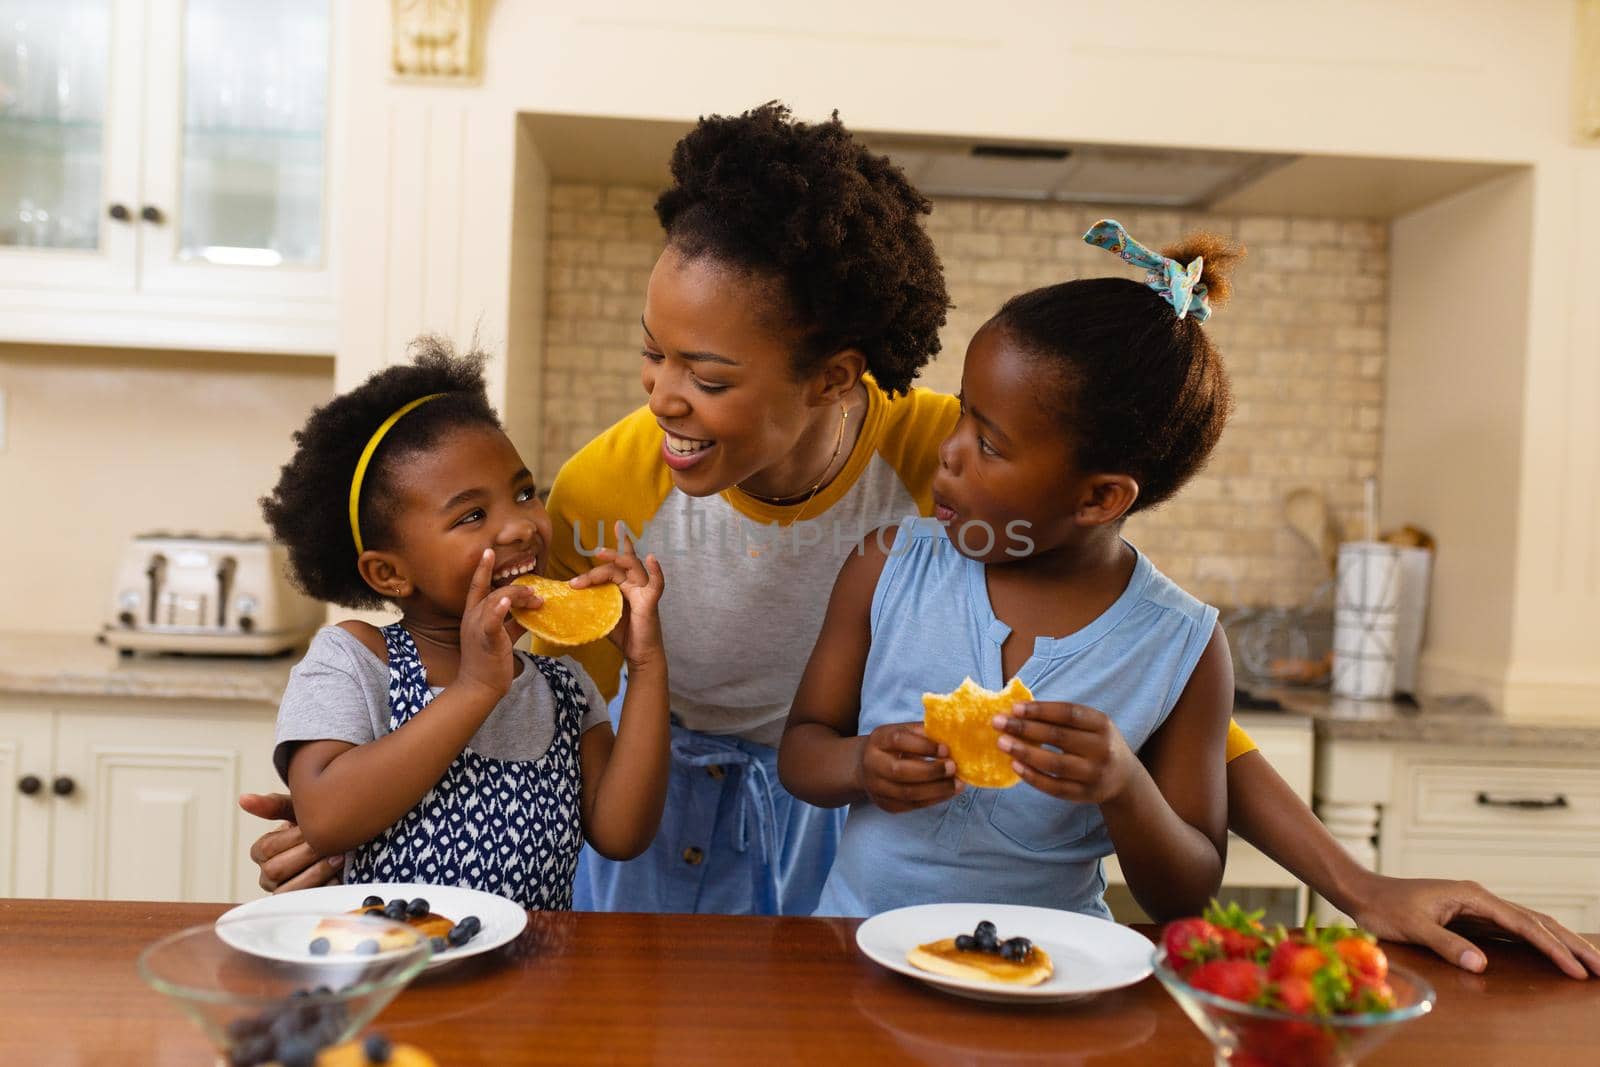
(64, 664)
(586, 988)
(1464, 721)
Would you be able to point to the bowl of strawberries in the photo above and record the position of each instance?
(1318, 997)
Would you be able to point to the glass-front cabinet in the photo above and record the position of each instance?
(166, 172)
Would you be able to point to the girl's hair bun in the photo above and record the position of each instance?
(1221, 254)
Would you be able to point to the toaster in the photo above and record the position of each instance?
(224, 595)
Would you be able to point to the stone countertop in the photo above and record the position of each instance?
(1436, 721)
(67, 664)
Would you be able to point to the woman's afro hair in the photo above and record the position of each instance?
(837, 227)
(308, 510)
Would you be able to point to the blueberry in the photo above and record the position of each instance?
(373, 901)
(417, 908)
(966, 943)
(369, 947)
(439, 944)
(246, 1026)
(1016, 949)
(320, 946)
(377, 1048)
(297, 1052)
(986, 939)
(473, 923)
(252, 1051)
(459, 935)
(985, 929)
(395, 909)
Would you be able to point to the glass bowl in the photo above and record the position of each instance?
(1242, 1035)
(260, 992)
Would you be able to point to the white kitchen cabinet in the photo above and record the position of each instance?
(25, 765)
(167, 171)
(138, 797)
(1525, 822)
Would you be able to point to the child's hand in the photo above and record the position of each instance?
(1094, 764)
(638, 635)
(902, 768)
(486, 658)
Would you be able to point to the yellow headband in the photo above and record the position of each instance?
(366, 457)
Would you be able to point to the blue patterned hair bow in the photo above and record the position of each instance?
(1180, 286)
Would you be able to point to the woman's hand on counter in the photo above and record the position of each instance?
(1418, 909)
(286, 862)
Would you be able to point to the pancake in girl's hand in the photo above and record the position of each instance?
(570, 616)
(961, 721)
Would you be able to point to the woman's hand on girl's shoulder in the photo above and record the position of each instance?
(1094, 764)
(486, 656)
(638, 635)
(901, 768)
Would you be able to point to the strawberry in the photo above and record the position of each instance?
(1296, 958)
(1294, 994)
(1364, 958)
(1368, 996)
(1239, 980)
(1191, 941)
(1243, 936)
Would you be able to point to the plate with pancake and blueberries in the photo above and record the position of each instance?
(325, 923)
(1006, 952)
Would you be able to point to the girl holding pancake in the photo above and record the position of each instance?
(795, 302)
(428, 750)
(1082, 403)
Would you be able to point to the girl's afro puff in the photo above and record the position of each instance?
(838, 227)
(309, 509)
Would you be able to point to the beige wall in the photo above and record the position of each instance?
(1454, 468)
(1303, 339)
(103, 444)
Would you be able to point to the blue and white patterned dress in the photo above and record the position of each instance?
(512, 827)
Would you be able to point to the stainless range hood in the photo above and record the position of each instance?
(1099, 174)
(632, 151)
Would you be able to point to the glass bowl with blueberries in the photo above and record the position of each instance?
(262, 994)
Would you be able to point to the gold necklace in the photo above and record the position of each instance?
(844, 415)
(779, 501)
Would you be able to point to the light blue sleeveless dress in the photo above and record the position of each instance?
(932, 626)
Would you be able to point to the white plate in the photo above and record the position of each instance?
(1090, 955)
(502, 919)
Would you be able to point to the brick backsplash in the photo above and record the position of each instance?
(1303, 339)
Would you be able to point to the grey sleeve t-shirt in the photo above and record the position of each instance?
(340, 692)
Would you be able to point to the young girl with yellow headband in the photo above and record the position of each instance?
(428, 750)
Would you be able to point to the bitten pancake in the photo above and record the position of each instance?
(942, 957)
(570, 616)
(960, 720)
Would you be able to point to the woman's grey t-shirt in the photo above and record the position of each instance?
(340, 692)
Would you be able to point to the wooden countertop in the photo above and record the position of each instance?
(626, 989)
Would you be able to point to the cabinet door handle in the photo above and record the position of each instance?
(29, 784)
(119, 212)
(1524, 803)
(63, 786)
(150, 213)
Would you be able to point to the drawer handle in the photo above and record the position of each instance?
(1524, 803)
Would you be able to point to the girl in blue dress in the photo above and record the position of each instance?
(1082, 403)
(428, 750)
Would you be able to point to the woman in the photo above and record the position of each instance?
(797, 296)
